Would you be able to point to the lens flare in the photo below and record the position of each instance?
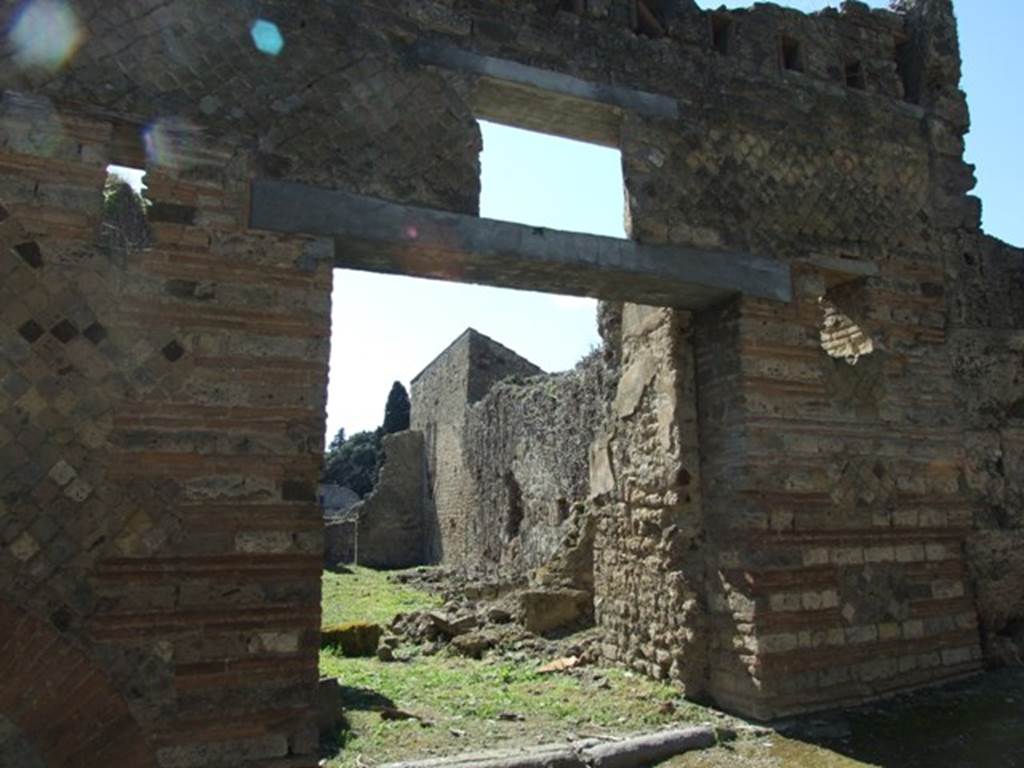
(169, 141)
(267, 37)
(46, 34)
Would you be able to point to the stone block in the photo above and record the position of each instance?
(352, 639)
(547, 610)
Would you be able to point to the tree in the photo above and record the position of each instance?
(125, 229)
(354, 461)
(396, 411)
(337, 442)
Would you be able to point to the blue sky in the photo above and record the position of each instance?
(387, 328)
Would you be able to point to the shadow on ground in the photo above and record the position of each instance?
(976, 723)
(353, 699)
(363, 699)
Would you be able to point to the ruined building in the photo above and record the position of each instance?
(778, 528)
(487, 476)
(461, 375)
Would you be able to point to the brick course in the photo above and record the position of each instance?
(161, 410)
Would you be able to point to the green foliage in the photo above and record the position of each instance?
(469, 696)
(337, 442)
(353, 461)
(397, 410)
(124, 216)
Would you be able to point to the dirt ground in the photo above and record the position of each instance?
(975, 723)
(460, 704)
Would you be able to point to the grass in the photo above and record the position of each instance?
(492, 703)
(371, 596)
(470, 705)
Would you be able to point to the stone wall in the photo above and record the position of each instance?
(645, 483)
(340, 542)
(386, 529)
(834, 517)
(440, 395)
(161, 419)
(527, 445)
(986, 307)
(161, 411)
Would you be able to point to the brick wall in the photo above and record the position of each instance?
(833, 506)
(161, 410)
(986, 306)
(161, 429)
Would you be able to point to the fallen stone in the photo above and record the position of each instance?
(544, 610)
(552, 756)
(353, 639)
(559, 665)
(650, 749)
(385, 653)
(463, 624)
(473, 644)
(440, 622)
(497, 615)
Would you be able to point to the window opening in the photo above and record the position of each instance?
(905, 68)
(721, 33)
(841, 337)
(854, 73)
(124, 228)
(791, 55)
(549, 181)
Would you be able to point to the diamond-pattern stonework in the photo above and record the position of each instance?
(774, 528)
(106, 397)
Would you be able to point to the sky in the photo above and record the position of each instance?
(387, 328)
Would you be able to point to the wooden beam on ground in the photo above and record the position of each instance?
(633, 752)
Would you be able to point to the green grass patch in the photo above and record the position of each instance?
(370, 596)
(464, 700)
(467, 702)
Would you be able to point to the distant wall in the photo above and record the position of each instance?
(335, 500)
(438, 400)
(390, 521)
(339, 541)
(527, 446)
(460, 375)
